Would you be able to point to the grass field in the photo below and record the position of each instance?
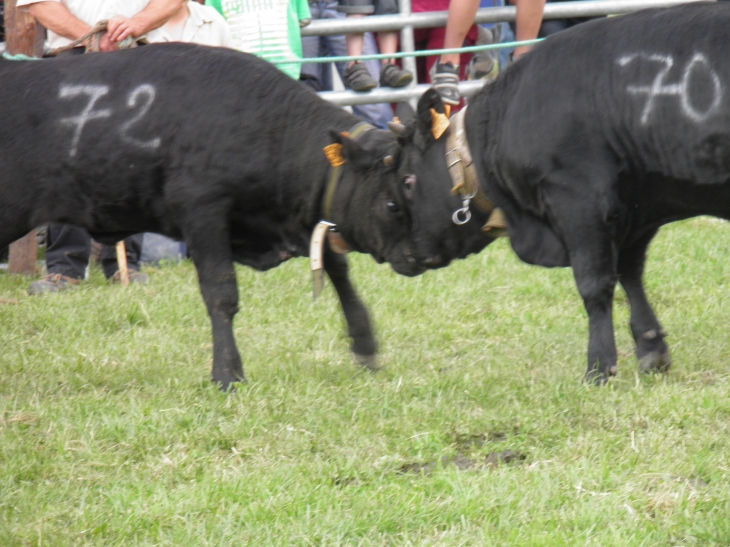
(112, 434)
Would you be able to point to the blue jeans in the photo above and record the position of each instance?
(328, 46)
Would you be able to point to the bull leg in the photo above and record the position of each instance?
(651, 350)
(356, 315)
(211, 252)
(588, 237)
(593, 258)
(595, 275)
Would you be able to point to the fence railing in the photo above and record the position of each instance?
(553, 10)
(375, 23)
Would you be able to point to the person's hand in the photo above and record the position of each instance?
(120, 27)
(105, 44)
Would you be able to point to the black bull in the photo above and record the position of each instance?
(211, 146)
(590, 143)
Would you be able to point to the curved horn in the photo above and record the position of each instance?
(397, 128)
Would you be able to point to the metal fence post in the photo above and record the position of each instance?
(408, 45)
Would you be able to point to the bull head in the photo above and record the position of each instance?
(369, 206)
(428, 186)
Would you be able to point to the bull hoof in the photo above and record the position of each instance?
(654, 362)
(227, 385)
(598, 378)
(370, 362)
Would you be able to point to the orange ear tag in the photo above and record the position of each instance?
(439, 124)
(334, 154)
(447, 110)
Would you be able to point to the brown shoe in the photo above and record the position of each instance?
(52, 283)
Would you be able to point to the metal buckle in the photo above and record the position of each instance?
(463, 215)
(463, 211)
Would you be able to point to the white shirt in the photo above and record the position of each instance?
(93, 11)
(203, 26)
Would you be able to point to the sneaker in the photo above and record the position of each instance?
(483, 64)
(445, 80)
(394, 76)
(135, 277)
(358, 78)
(52, 283)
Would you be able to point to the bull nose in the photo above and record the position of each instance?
(432, 261)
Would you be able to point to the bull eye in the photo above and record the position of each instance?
(393, 206)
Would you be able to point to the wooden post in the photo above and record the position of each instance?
(122, 263)
(22, 35)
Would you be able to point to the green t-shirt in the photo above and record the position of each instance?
(267, 28)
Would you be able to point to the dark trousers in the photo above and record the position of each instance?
(69, 248)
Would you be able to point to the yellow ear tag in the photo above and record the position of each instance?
(447, 110)
(439, 124)
(334, 154)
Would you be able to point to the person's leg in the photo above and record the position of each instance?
(527, 23)
(315, 46)
(376, 114)
(310, 49)
(354, 41)
(133, 248)
(461, 18)
(445, 72)
(356, 75)
(388, 42)
(68, 249)
(391, 75)
(331, 46)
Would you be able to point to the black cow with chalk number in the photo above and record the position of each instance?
(588, 145)
(210, 146)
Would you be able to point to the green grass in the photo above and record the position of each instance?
(111, 433)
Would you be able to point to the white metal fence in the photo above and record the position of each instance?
(406, 22)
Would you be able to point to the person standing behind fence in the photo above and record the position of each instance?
(433, 38)
(267, 28)
(445, 73)
(334, 45)
(356, 76)
(197, 24)
(69, 248)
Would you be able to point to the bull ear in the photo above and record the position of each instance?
(432, 116)
(348, 150)
(404, 112)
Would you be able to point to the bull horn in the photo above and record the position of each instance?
(397, 128)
